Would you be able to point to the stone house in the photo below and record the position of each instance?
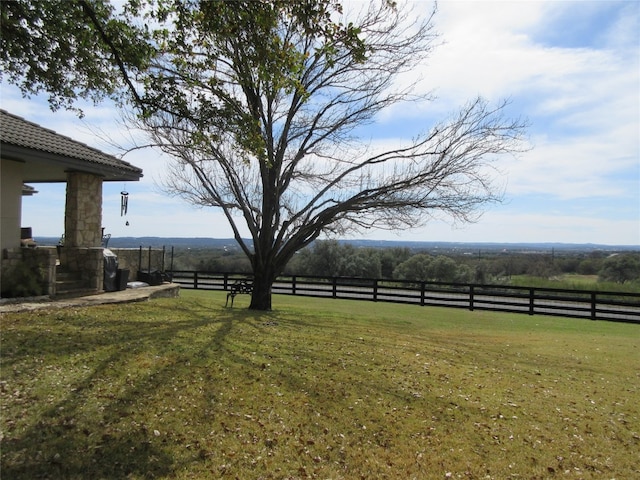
(31, 154)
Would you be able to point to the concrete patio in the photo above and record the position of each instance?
(141, 294)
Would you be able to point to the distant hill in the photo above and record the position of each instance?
(492, 246)
(444, 247)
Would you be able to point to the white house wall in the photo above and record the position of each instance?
(10, 203)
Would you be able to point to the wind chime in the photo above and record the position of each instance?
(124, 204)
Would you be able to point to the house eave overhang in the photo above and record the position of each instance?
(52, 167)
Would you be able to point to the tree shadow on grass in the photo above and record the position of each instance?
(138, 381)
(98, 421)
(62, 442)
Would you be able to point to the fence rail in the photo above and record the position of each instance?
(594, 305)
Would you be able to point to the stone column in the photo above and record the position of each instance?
(83, 210)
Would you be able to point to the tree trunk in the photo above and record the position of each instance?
(263, 280)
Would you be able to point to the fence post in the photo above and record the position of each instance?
(422, 291)
(225, 281)
(593, 305)
(195, 280)
(531, 300)
(471, 297)
(335, 287)
(375, 290)
(293, 285)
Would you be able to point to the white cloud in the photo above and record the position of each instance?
(490, 49)
(571, 169)
(583, 103)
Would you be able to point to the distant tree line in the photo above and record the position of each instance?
(333, 258)
(204, 259)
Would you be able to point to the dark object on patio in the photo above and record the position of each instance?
(122, 278)
(152, 277)
(26, 237)
(241, 286)
(110, 270)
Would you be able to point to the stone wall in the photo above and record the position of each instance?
(44, 259)
(87, 263)
(40, 261)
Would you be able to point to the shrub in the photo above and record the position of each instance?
(621, 268)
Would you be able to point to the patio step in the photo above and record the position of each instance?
(69, 285)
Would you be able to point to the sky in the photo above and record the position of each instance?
(571, 68)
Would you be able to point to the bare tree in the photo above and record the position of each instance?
(295, 170)
(259, 103)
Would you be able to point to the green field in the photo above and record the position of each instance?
(572, 281)
(329, 389)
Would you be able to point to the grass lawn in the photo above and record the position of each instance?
(329, 389)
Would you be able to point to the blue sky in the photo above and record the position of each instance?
(572, 68)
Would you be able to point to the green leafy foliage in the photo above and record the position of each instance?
(331, 258)
(211, 260)
(70, 49)
(621, 268)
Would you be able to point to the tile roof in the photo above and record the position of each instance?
(15, 130)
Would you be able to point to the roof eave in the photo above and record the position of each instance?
(66, 164)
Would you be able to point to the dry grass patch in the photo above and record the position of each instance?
(316, 389)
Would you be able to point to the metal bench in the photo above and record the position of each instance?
(240, 286)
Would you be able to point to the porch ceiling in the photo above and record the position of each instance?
(49, 155)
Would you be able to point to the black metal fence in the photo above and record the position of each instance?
(594, 305)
